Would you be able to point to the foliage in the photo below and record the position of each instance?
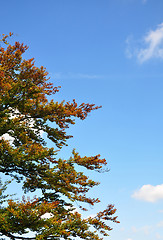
(26, 113)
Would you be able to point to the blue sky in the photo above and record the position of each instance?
(107, 52)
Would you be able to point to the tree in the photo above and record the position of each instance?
(26, 113)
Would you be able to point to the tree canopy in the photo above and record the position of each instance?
(26, 116)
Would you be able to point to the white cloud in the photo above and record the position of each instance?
(7, 137)
(14, 114)
(154, 41)
(149, 193)
(152, 46)
(47, 215)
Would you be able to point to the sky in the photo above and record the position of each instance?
(107, 52)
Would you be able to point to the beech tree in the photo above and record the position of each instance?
(26, 115)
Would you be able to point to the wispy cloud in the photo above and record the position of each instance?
(160, 224)
(71, 75)
(130, 49)
(149, 193)
(144, 229)
(153, 231)
(144, 1)
(158, 236)
(160, 211)
(151, 46)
